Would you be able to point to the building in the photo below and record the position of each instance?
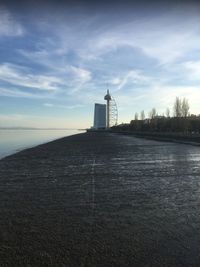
(99, 116)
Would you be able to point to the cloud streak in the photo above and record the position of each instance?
(19, 76)
(9, 27)
(192, 69)
(75, 106)
(133, 77)
(13, 92)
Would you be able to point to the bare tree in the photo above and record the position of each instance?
(142, 115)
(152, 113)
(136, 116)
(185, 108)
(178, 107)
(167, 112)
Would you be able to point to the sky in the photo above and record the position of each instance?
(58, 59)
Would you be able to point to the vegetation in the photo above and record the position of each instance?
(180, 122)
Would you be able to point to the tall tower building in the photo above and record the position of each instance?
(99, 116)
(107, 97)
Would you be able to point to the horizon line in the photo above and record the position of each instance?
(36, 128)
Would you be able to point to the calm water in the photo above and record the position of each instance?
(12, 141)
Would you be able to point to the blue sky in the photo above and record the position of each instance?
(57, 59)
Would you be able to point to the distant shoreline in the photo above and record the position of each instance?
(24, 128)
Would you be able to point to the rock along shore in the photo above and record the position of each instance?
(101, 199)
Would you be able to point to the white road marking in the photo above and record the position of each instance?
(93, 184)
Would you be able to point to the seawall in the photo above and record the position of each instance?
(101, 199)
(192, 139)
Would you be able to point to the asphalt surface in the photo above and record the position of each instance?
(101, 199)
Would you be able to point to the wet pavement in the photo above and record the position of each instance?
(101, 199)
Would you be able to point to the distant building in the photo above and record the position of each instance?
(99, 116)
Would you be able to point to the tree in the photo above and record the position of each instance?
(136, 116)
(142, 115)
(152, 113)
(178, 107)
(167, 112)
(185, 108)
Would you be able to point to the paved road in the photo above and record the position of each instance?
(100, 199)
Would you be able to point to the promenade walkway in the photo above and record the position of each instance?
(101, 199)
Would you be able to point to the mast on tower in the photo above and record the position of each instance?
(107, 97)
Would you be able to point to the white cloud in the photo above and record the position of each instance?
(82, 75)
(192, 69)
(116, 81)
(42, 56)
(131, 77)
(67, 80)
(50, 105)
(166, 37)
(19, 76)
(8, 25)
(21, 94)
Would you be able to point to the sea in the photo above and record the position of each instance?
(14, 140)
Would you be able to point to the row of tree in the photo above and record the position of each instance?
(180, 109)
(181, 121)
